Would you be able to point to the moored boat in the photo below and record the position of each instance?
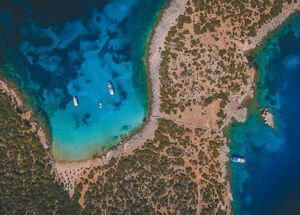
(110, 88)
(237, 159)
(75, 101)
(100, 105)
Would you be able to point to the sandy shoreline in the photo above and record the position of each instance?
(154, 59)
(70, 172)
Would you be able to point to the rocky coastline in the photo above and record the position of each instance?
(26, 115)
(70, 173)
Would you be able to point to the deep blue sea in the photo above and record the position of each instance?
(58, 49)
(269, 182)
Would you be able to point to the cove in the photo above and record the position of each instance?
(56, 50)
(269, 182)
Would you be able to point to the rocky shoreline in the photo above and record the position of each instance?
(70, 172)
(17, 100)
(267, 117)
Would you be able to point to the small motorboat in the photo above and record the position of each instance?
(237, 159)
(75, 101)
(100, 105)
(110, 88)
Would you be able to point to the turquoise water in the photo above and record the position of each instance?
(269, 182)
(60, 49)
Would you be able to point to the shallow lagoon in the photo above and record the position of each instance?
(55, 51)
(269, 181)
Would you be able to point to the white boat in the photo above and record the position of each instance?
(100, 105)
(238, 159)
(110, 88)
(75, 101)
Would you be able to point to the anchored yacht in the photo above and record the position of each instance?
(100, 105)
(75, 101)
(110, 88)
(238, 159)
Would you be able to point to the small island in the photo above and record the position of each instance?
(267, 117)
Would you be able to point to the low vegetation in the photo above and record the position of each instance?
(27, 185)
(173, 173)
(180, 170)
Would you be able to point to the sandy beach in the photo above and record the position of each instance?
(70, 173)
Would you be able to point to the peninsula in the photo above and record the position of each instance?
(200, 74)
